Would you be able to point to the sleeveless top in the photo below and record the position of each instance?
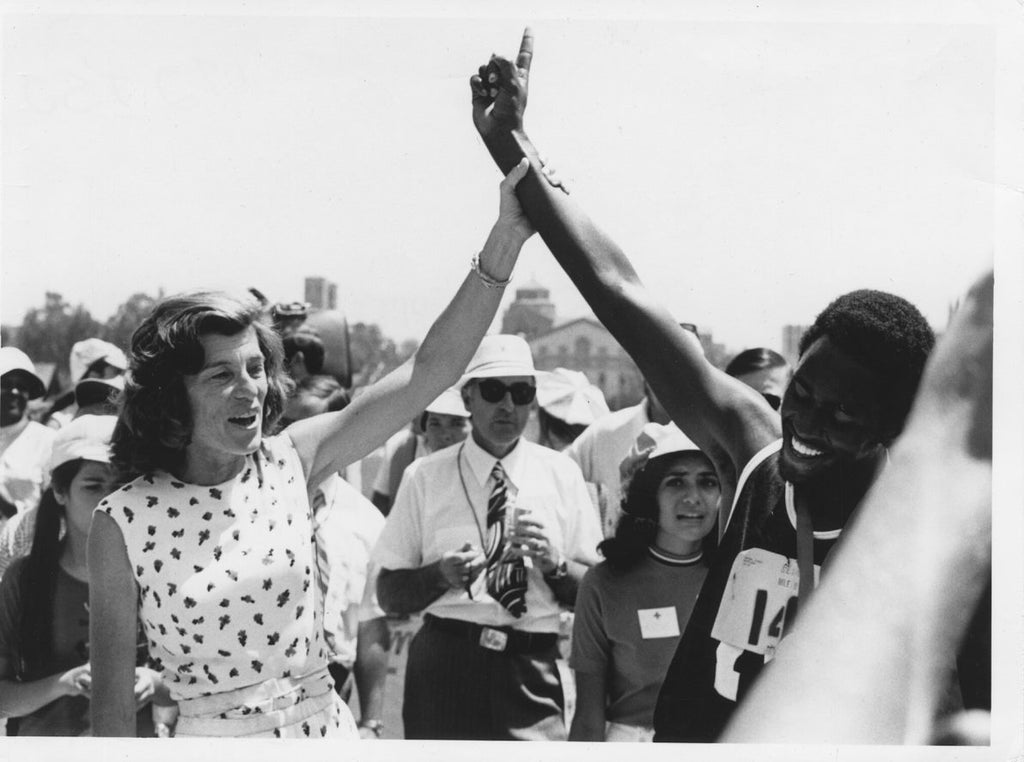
(226, 573)
(747, 604)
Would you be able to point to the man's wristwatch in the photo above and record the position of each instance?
(561, 571)
(374, 726)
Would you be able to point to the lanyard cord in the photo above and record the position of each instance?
(465, 491)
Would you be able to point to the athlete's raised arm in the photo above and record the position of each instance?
(722, 415)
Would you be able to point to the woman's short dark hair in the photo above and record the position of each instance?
(155, 422)
(755, 359)
(883, 332)
(637, 526)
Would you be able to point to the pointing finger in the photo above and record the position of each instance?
(525, 56)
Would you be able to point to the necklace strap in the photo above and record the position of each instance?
(465, 492)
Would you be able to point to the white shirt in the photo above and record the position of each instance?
(434, 514)
(347, 526)
(24, 459)
(599, 451)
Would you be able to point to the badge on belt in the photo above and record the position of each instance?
(494, 640)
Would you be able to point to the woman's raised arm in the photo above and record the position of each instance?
(327, 443)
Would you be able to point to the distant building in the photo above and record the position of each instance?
(586, 345)
(791, 342)
(321, 293)
(531, 314)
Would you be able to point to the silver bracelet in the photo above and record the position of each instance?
(486, 279)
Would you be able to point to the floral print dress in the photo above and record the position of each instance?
(228, 597)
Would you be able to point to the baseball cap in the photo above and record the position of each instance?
(569, 396)
(13, 360)
(654, 441)
(89, 351)
(86, 437)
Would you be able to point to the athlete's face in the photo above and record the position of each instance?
(831, 413)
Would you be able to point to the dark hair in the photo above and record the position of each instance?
(755, 359)
(306, 341)
(553, 426)
(637, 526)
(155, 423)
(885, 333)
(321, 386)
(37, 582)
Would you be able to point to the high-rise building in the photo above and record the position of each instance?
(321, 293)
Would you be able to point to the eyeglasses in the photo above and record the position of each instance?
(494, 391)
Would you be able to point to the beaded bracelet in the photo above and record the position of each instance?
(486, 279)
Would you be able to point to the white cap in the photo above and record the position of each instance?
(91, 391)
(449, 403)
(13, 360)
(86, 437)
(88, 351)
(569, 396)
(654, 441)
(500, 355)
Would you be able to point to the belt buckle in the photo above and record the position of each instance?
(493, 640)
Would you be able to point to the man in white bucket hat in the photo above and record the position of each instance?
(488, 538)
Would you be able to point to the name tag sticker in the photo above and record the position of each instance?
(658, 623)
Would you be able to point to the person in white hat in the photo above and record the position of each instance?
(97, 374)
(633, 606)
(45, 674)
(444, 423)
(567, 403)
(488, 539)
(24, 444)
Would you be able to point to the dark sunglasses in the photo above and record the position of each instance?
(774, 400)
(494, 391)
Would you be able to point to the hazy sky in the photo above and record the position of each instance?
(753, 165)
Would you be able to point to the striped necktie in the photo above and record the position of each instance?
(506, 578)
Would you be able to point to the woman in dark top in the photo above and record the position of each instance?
(45, 677)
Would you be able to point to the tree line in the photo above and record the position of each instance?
(48, 332)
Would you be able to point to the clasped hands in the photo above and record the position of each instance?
(500, 89)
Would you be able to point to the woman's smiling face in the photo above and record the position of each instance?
(226, 401)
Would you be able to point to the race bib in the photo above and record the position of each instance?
(658, 623)
(760, 599)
